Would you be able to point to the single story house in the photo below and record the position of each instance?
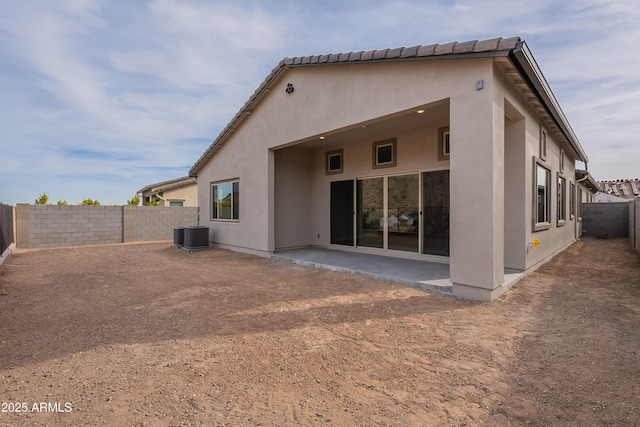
(456, 153)
(181, 191)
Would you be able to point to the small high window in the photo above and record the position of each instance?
(384, 153)
(543, 143)
(334, 162)
(444, 143)
(225, 203)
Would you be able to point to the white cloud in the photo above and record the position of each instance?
(152, 83)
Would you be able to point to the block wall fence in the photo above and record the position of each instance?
(610, 219)
(43, 226)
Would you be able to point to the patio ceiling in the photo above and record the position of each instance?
(433, 115)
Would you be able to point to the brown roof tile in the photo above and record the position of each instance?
(487, 45)
(380, 54)
(445, 49)
(507, 44)
(465, 47)
(426, 50)
(408, 52)
(367, 56)
(394, 53)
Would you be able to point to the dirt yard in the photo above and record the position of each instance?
(150, 335)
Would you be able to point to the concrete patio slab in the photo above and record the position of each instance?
(430, 276)
(425, 275)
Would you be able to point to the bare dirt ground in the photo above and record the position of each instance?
(150, 335)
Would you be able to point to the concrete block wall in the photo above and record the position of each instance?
(71, 225)
(145, 223)
(42, 226)
(611, 219)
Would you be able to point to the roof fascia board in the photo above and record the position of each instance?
(523, 60)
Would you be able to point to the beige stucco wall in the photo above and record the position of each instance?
(321, 103)
(491, 168)
(187, 195)
(519, 174)
(292, 203)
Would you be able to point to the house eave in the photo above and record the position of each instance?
(587, 180)
(171, 184)
(523, 60)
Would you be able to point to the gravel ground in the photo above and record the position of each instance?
(144, 334)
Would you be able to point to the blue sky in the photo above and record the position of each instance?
(101, 98)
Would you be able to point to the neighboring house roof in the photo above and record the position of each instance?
(531, 81)
(163, 186)
(610, 198)
(625, 188)
(587, 180)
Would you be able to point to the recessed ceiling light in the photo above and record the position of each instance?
(322, 137)
(420, 111)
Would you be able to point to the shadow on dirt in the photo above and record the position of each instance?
(64, 301)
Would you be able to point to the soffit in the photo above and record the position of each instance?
(385, 127)
(514, 77)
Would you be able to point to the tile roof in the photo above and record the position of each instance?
(168, 185)
(626, 188)
(513, 47)
(402, 53)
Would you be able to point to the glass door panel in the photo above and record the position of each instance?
(342, 213)
(370, 212)
(403, 212)
(435, 197)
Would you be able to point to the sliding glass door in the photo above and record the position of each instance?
(435, 209)
(403, 221)
(370, 212)
(398, 212)
(342, 212)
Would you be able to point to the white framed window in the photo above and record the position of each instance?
(384, 153)
(225, 200)
(444, 143)
(334, 162)
(562, 200)
(542, 196)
